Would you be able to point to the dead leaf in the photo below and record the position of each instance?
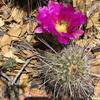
(91, 42)
(1, 2)
(27, 53)
(97, 90)
(14, 32)
(23, 29)
(7, 51)
(36, 92)
(94, 20)
(1, 22)
(23, 81)
(98, 36)
(29, 38)
(18, 14)
(97, 54)
(5, 12)
(3, 91)
(31, 26)
(5, 40)
(17, 31)
(95, 64)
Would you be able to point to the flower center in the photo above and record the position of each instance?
(61, 27)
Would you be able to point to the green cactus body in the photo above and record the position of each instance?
(66, 74)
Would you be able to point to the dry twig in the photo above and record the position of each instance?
(21, 70)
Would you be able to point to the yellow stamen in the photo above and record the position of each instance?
(61, 27)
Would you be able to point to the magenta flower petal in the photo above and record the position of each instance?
(74, 35)
(38, 30)
(77, 19)
(63, 40)
(61, 21)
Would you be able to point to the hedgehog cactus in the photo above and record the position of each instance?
(67, 74)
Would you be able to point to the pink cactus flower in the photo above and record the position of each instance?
(61, 21)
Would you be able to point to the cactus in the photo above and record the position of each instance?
(66, 74)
